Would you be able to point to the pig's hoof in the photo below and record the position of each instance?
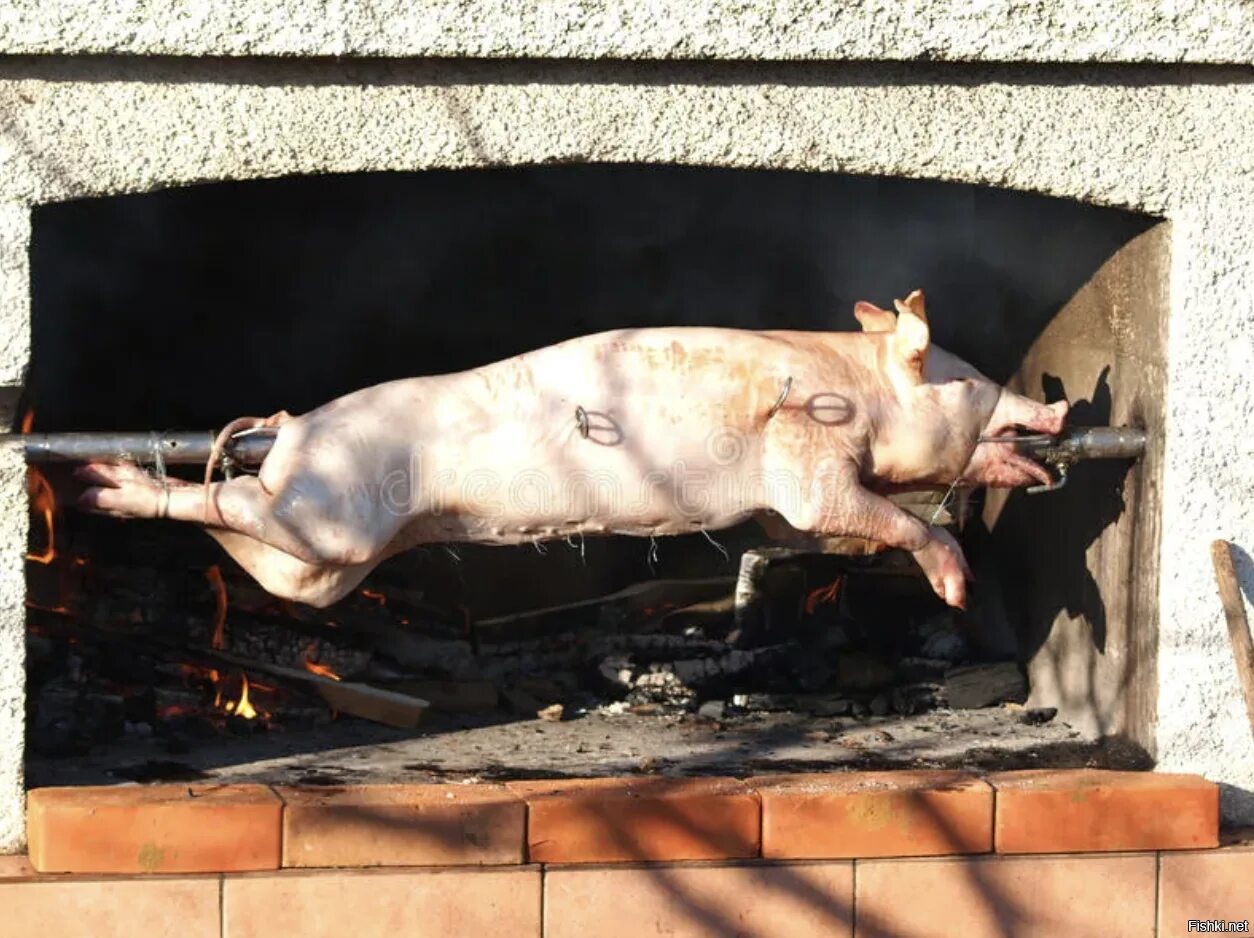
(945, 567)
(121, 490)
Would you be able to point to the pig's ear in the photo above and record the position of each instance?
(912, 337)
(872, 318)
(912, 305)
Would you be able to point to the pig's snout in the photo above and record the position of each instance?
(998, 464)
(1014, 411)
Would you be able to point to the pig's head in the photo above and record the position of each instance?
(946, 406)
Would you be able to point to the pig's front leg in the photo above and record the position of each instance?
(838, 505)
(945, 566)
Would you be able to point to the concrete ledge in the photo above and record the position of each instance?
(1219, 31)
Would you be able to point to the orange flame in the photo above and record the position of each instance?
(374, 596)
(824, 594)
(242, 708)
(44, 502)
(317, 667)
(28, 420)
(214, 575)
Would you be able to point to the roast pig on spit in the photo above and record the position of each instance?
(644, 432)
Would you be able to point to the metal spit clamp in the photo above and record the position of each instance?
(1071, 446)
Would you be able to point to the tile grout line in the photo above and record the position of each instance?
(757, 796)
(544, 868)
(994, 805)
(1158, 886)
(544, 905)
(853, 899)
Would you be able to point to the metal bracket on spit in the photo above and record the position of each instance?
(1061, 468)
(1041, 442)
(1062, 452)
(581, 420)
(232, 463)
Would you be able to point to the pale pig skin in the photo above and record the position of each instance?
(685, 431)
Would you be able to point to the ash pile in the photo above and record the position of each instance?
(868, 641)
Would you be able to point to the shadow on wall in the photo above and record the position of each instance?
(671, 902)
(1092, 500)
(184, 308)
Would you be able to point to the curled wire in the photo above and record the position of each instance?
(779, 401)
(581, 420)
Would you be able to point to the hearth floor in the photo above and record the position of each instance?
(498, 747)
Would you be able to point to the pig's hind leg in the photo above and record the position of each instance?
(285, 576)
(125, 490)
(317, 531)
(837, 505)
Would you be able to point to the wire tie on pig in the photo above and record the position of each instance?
(944, 502)
(779, 401)
(581, 420)
(158, 457)
(158, 468)
(719, 547)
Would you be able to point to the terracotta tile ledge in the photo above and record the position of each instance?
(848, 815)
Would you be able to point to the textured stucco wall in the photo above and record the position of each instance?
(1172, 144)
(14, 352)
(975, 30)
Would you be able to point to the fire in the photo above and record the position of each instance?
(824, 594)
(374, 596)
(317, 667)
(42, 499)
(218, 638)
(241, 708)
(44, 502)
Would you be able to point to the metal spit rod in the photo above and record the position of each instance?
(1070, 447)
(181, 448)
(250, 447)
(1086, 443)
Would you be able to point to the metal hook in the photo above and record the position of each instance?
(1061, 468)
(779, 401)
(581, 419)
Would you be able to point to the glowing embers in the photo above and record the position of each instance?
(313, 666)
(823, 594)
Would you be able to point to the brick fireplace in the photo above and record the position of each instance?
(1111, 107)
